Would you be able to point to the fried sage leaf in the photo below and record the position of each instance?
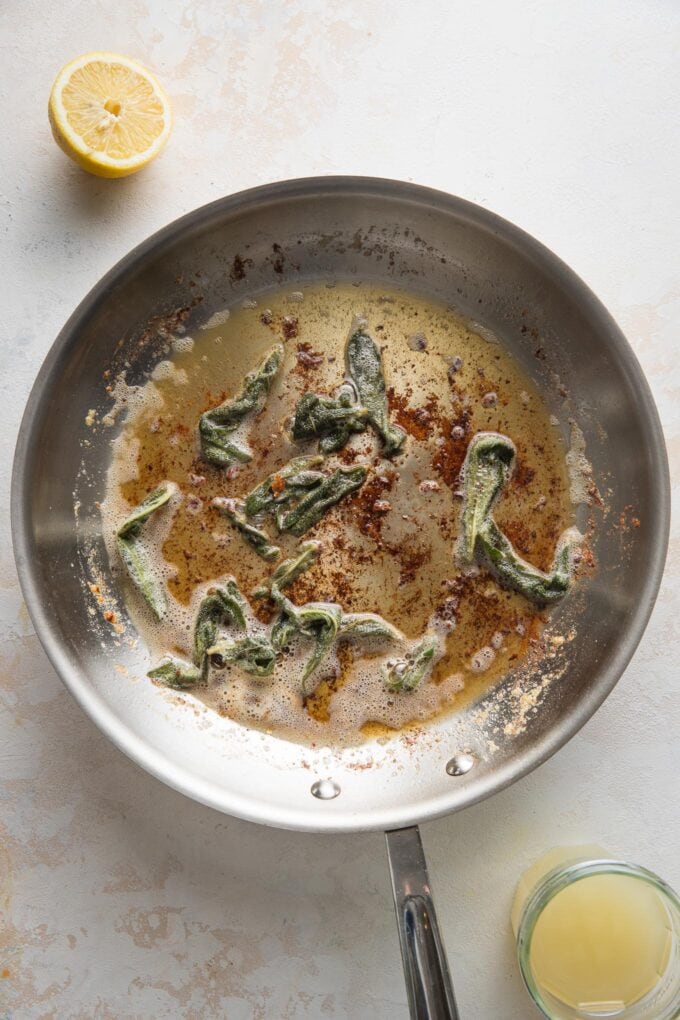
(331, 420)
(217, 426)
(254, 655)
(359, 626)
(284, 630)
(291, 481)
(364, 365)
(488, 462)
(223, 605)
(135, 557)
(321, 622)
(142, 576)
(406, 674)
(514, 572)
(233, 510)
(290, 570)
(178, 674)
(287, 623)
(314, 505)
(132, 525)
(317, 621)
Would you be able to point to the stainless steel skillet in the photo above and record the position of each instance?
(396, 234)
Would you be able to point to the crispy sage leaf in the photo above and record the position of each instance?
(331, 420)
(317, 621)
(283, 631)
(178, 674)
(364, 365)
(314, 505)
(406, 674)
(290, 570)
(514, 572)
(358, 626)
(134, 556)
(223, 605)
(219, 446)
(217, 426)
(488, 462)
(142, 576)
(294, 479)
(233, 509)
(235, 603)
(286, 625)
(132, 525)
(321, 622)
(254, 655)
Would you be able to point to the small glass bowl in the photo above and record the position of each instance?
(662, 1002)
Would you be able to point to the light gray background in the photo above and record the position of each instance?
(119, 898)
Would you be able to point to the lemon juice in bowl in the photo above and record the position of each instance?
(597, 938)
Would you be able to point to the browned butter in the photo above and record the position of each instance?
(389, 548)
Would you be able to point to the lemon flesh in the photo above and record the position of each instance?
(109, 114)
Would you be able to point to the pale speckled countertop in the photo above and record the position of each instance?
(119, 898)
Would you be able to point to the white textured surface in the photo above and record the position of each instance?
(118, 898)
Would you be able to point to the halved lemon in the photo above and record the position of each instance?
(109, 114)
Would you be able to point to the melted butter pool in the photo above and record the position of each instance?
(389, 548)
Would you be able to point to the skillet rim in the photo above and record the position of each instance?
(212, 794)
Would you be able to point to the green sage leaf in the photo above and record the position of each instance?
(514, 572)
(294, 479)
(142, 576)
(219, 447)
(283, 632)
(364, 365)
(132, 525)
(233, 509)
(488, 462)
(330, 420)
(314, 505)
(216, 427)
(178, 674)
(406, 674)
(317, 621)
(254, 655)
(135, 558)
(222, 606)
(360, 626)
(289, 570)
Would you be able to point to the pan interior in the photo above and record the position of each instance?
(293, 235)
(389, 548)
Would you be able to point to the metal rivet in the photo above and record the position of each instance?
(325, 789)
(460, 764)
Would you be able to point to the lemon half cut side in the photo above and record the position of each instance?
(109, 114)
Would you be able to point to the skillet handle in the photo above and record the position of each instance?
(428, 982)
